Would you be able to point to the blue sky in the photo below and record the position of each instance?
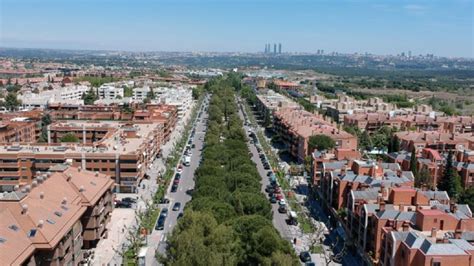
(442, 27)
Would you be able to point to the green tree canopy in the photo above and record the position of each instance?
(451, 181)
(69, 137)
(320, 142)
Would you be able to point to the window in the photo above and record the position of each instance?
(13, 227)
(58, 213)
(436, 220)
(32, 233)
(50, 221)
(436, 263)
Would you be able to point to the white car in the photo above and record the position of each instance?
(282, 202)
(179, 170)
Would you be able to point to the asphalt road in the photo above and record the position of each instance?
(186, 183)
(279, 219)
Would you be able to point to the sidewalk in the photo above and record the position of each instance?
(121, 219)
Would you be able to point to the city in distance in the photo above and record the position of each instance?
(236, 132)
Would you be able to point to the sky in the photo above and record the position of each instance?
(441, 27)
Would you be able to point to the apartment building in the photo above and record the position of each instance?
(52, 220)
(109, 91)
(440, 141)
(71, 94)
(159, 113)
(341, 178)
(19, 129)
(296, 126)
(139, 94)
(124, 153)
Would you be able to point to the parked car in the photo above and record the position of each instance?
(282, 209)
(282, 202)
(269, 190)
(277, 190)
(305, 256)
(176, 181)
(279, 196)
(164, 201)
(160, 224)
(128, 199)
(164, 212)
(190, 192)
(180, 215)
(273, 200)
(177, 206)
(177, 176)
(269, 173)
(122, 204)
(266, 166)
(174, 188)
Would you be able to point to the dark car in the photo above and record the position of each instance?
(282, 209)
(164, 201)
(269, 173)
(177, 206)
(174, 188)
(122, 204)
(128, 199)
(193, 146)
(190, 192)
(266, 166)
(160, 224)
(310, 263)
(305, 256)
(269, 190)
(273, 200)
(176, 181)
(164, 212)
(177, 176)
(180, 215)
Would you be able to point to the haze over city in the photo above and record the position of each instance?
(437, 27)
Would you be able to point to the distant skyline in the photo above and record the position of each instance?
(440, 27)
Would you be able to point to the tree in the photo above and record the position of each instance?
(364, 141)
(89, 97)
(45, 121)
(69, 137)
(467, 197)
(424, 178)
(395, 144)
(267, 120)
(451, 182)
(127, 91)
(11, 101)
(320, 142)
(414, 164)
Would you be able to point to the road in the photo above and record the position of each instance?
(279, 219)
(158, 237)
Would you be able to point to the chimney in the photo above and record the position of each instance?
(64, 201)
(457, 234)
(40, 223)
(453, 207)
(81, 189)
(41, 195)
(16, 188)
(434, 232)
(405, 227)
(382, 206)
(34, 183)
(24, 208)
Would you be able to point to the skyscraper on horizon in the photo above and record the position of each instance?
(274, 48)
(279, 48)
